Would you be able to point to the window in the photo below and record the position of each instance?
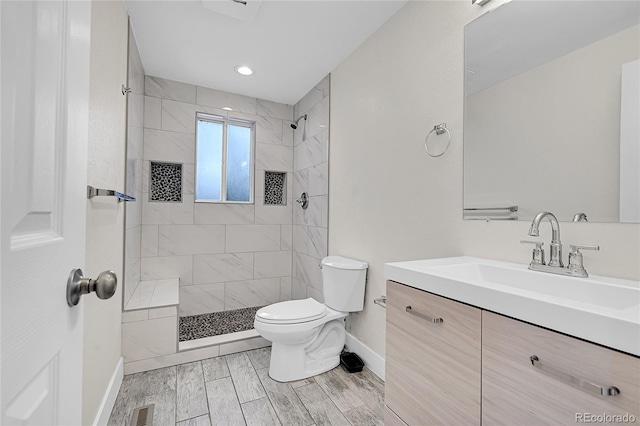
(224, 159)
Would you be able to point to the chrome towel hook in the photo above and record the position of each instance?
(439, 129)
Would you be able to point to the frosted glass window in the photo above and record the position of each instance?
(224, 159)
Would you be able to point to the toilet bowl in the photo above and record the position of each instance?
(308, 336)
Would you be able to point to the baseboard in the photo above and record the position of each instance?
(372, 360)
(109, 399)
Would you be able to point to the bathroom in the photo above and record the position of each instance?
(399, 204)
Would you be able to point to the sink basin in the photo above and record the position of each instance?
(599, 309)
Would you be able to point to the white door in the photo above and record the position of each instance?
(45, 91)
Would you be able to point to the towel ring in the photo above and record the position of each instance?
(439, 129)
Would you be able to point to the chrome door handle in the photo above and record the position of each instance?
(409, 310)
(566, 377)
(104, 286)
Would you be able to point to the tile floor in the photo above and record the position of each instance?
(236, 390)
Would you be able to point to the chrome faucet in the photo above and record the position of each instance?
(556, 246)
(555, 265)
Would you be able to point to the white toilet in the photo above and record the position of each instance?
(308, 336)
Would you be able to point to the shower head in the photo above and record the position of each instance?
(294, 125)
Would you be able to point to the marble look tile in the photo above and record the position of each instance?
(324, 210)
(178, 117)
(287, 134)
(168, 146)
(260, 358)
(141, 297)
(219, 99)
(316, 294)
(300, 182)
(274, 214)
(313, 214)
(245, 379)
(201, 299)
(188, 179)
(320, 407)
(224, 407)
(269, 131)
(274, 109)
(164, 410)
(131, 279)
(196, 421)
(152, 113)
(285, 288)
(224, 214)
(132, 241)
(169, 89)
(218, 268)
(215, 368)
(317, 242)
(171, 359)
(245, 294)
(318, 118)
(191, 239)
(300, 239)
(166, 293)
(269, 264)
(160, 268)
(169, 311)
(315, 95)
(308, 270)
(285, 401)
(192, 399)
(260, 413)
(309, 152)
(344, 394)
(161, 213)
(244, 345)
(319, 179)
(149, 339)
(149, 243)
(298, 289)
(274, 157)
(139, 315)
(250, 238)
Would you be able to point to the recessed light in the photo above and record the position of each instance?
(226, 108)
(244, 70)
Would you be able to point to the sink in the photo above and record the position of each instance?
(603, 310)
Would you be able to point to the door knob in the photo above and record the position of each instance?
(104, 286)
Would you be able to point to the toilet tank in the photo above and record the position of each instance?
(343, 282)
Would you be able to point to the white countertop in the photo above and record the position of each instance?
(602, 310)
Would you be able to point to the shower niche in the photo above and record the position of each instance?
(275, 188)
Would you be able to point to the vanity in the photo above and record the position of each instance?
(473, 341)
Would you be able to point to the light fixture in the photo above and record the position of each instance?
(226, 108)
(480, 2)
(244, 70)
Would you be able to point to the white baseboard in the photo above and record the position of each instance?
(109, 399)
(372, 360)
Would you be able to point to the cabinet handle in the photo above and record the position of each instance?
(586, 386)
(433, 320)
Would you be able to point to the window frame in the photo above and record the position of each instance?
(225, 121)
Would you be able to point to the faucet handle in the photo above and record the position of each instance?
(576, 249)
(576, 265)
(538, 252)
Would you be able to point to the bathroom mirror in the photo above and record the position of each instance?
(551, 111)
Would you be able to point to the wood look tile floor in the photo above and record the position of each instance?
(236, 389)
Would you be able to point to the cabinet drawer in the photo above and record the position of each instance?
(516, 392)
(432, 369)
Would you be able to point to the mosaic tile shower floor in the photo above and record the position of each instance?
(216, 323)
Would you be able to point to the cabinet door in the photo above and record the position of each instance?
(432, 369)
(516, 392)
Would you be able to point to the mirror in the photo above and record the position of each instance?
(551, 120)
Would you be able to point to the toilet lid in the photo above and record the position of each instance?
(292, 311)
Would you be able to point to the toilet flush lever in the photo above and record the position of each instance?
(77, 285)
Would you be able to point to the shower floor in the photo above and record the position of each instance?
(216, 323)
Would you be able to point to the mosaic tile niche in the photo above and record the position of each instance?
(165, 183)
(275, 184)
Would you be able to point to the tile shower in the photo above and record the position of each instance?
(230, 259)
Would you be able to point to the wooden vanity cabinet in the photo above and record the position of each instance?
(515, 392)
(432, 368)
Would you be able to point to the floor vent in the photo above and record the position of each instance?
(142, 416)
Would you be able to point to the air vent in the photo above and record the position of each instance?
(142, 416)
(242, 10)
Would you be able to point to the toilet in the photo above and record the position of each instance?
(308, 336)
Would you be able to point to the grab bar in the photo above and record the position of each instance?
(96, 192)
(381, 302)
(510, 208)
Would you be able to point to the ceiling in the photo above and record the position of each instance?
(290, 45)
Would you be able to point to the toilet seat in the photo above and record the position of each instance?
(292, 312)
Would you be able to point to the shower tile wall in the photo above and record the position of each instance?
(227, 256)
(133, 210)
(311, 174)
